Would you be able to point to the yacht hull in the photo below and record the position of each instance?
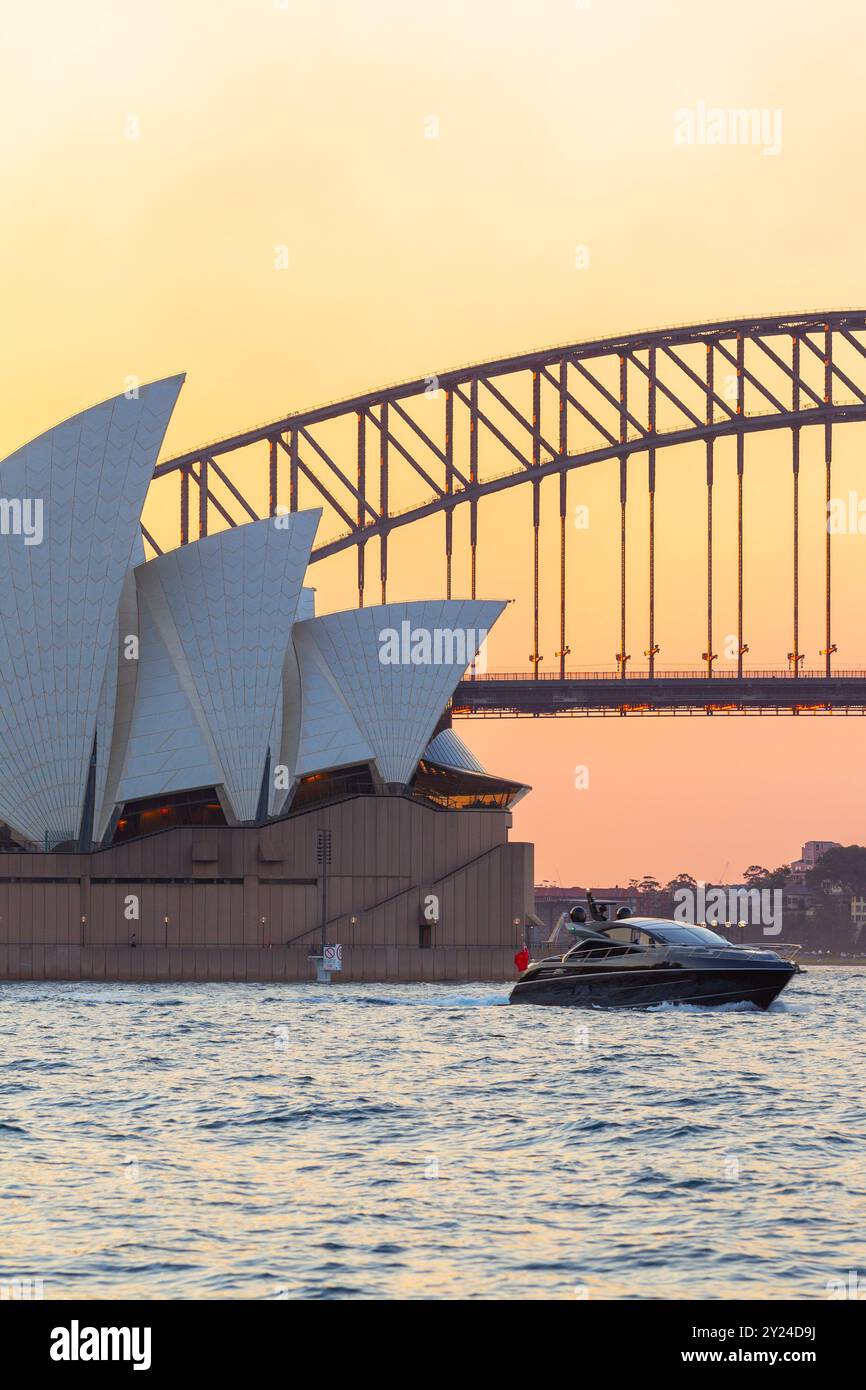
(642, 989)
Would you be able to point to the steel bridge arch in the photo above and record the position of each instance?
(566, 463)
(627, 395)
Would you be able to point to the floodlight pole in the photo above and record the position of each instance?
(323, 859)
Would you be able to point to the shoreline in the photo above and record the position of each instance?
(804, 959)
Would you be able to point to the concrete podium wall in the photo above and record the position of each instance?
(245, 903)
(237, 963)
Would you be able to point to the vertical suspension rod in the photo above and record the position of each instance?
(449, 486)
(473, 478)
(741, 392)
(272, 477)
(563, 508)
(709, 381)
(202, 498)
(828, 465)
(795, 465)
(383, 497)
(293, 470)
(622, 657)
(362, 492)
(536, 517)
(651, 484)
(184, 506)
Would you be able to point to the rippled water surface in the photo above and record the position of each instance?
(194, 1141)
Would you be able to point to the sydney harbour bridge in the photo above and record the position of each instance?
(460, 438)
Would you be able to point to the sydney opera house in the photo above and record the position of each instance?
(201, 777)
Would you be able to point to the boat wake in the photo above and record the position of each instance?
(739, 1006)
(445, 1001)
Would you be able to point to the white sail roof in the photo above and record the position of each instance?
(59, 599)
(449, 750)
(329, 735)
(223, 608)
(395, 666)
(167, 749)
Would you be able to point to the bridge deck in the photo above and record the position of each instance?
(520, 695)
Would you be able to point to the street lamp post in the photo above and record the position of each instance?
(323, 859)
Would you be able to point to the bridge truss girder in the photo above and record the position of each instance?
(469, 434)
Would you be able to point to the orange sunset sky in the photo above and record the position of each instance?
(154, 156)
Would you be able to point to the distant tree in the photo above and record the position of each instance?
(681, 881)
(779, 877)
(756, 876)
(648, 885)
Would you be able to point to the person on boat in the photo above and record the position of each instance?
(521, 959)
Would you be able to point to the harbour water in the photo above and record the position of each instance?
(243, 1141)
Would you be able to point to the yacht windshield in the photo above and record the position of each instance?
(689, 936)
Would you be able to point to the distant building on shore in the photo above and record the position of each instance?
(812, 851)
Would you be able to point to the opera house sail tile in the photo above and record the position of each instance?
(397, 665)
(329, 736)
(224, 609)
(166, 747)
(448, 749)
(83, 485)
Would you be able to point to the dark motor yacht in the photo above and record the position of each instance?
(636, 962)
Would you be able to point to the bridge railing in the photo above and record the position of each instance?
(690, 674)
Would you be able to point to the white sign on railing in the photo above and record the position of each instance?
(333, 958)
